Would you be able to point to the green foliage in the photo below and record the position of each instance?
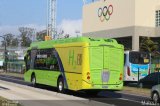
(148, 45)
(26, 34)
(15, 42)
(41, 35)
(9, 39)
(24, 39)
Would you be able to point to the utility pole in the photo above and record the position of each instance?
(6, 54)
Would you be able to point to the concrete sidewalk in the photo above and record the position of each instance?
(29, 96)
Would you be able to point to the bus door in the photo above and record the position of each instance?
(46, 67)
(53, 69)
(96, 64)
(113, 65)
(106, 63)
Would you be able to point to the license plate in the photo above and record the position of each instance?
(104, 86)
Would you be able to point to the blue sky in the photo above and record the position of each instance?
(23, 12)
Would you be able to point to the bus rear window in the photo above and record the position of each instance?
(139, 57)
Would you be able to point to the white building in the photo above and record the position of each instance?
(125, 20)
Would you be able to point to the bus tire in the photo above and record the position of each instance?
(33, 80)
(155, 97)
(60, 85)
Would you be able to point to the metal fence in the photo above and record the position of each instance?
(155, 64)
(16, 66)
(15, 59)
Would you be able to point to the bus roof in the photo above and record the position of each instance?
(92, 41)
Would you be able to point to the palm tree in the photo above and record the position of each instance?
(147, 45)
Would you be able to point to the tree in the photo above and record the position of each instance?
(9, 38)
(15, 42)
(25, 41)
(147, 45)
(25, 36)
(41, 35)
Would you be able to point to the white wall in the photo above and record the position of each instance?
(145, 12)
(126, 13)
(123, 15)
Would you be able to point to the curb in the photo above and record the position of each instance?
(52, 93)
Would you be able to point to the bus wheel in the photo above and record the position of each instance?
(33, 80)
(60, 85)
(155, 97)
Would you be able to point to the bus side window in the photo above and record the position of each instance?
(28, 60)
(53, 62)
(33, 56)
(40, 60)
(46, 60)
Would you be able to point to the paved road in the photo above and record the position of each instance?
(112, 98)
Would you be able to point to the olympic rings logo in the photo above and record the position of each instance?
(105, 13)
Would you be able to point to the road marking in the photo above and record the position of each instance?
(134, 95)
(129, 100)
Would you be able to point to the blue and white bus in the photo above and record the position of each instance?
(136, 65)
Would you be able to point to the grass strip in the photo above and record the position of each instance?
(6, 102)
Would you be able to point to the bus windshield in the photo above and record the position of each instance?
(139, 58)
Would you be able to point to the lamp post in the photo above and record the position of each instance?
(5, 53)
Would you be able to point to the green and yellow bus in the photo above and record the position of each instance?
(76, 64)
